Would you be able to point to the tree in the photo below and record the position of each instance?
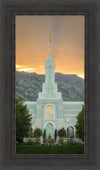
(62, 132)
(30, 133)
(44, 134)
(23, 120)
(80, 124)
(37, 132)
(55, 134)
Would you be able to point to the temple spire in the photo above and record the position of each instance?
(50, 36)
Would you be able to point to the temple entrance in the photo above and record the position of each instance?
(50, 131)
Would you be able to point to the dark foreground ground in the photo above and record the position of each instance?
(50, 149)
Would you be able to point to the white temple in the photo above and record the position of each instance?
(50, 112)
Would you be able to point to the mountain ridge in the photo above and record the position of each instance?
(28, 85)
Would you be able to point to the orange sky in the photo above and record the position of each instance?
(32, 43)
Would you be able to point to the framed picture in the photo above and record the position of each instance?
(49, 84)
(53, 117)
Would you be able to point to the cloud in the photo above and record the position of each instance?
(80, 75)
(18, 66)
(26, 69)
(30, 69)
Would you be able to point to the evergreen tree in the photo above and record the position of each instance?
(55, 134)
(23, 120)
(44, 134)
(80, 124)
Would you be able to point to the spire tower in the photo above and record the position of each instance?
(49, 87)
(50, 36)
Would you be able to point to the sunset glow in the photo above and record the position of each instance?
(67, 46)
(39, 70)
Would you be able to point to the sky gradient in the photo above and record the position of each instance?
(67, 45)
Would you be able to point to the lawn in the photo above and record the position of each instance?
(50, 149)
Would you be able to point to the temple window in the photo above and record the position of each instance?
(49, 112)
(70, 132)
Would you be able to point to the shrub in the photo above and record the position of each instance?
(37, 132)
(44, 140)
(51, 140)
(37, 141)
(62, 132)
(61, 141)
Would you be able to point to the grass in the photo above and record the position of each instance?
(50, 149)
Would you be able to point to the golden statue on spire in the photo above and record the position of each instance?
(50, 36)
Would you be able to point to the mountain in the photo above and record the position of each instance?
(28, 85)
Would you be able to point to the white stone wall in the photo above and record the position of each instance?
(64, 114)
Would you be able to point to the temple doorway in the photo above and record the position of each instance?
(50, 131)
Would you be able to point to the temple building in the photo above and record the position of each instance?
(50, 112)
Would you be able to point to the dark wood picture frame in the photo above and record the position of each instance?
(90, 9)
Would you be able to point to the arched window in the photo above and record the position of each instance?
(70, 132)
(49, 112)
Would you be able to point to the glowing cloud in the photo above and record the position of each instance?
(18, 66)
(80, 75)
(26, 69)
